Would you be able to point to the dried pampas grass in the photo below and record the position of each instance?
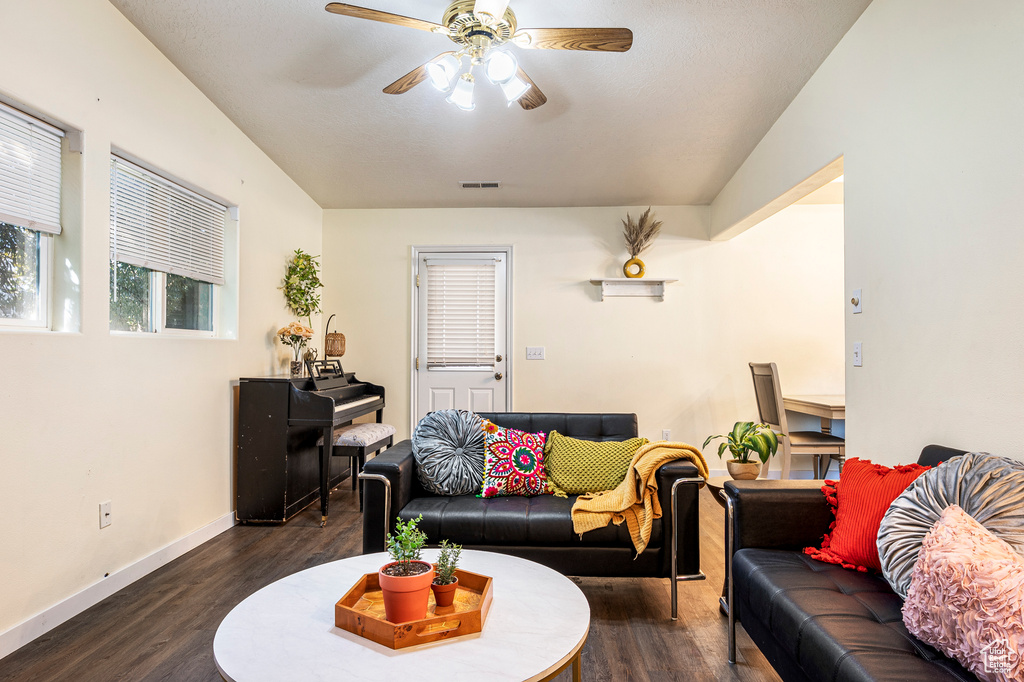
(641, 233)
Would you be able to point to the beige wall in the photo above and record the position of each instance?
(772, 294)
(143, 422)
(923, 99)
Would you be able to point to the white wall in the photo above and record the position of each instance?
(143, 422)
(923, 97)
(772, 294)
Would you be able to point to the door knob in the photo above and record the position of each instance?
(497, 358)
(498, 375)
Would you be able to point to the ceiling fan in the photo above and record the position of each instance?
(481, 28)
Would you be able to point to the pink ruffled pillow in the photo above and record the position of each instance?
(966, 597)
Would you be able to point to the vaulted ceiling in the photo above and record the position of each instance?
(666, 123)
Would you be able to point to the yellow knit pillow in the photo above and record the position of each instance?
(578, 466)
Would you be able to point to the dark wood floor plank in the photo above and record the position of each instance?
(162, 626)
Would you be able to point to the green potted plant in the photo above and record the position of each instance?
(445, 580)
(405, 582)
(747, 438)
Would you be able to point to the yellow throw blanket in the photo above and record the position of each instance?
(635, 500)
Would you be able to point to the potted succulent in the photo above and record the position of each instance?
(405, 582)
(445, 580)
(747, 438)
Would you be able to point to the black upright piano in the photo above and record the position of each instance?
(279, 421)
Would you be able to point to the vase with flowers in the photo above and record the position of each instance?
(296, 335)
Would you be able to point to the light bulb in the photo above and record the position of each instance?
(500, 67)
(443, 71)
(462, 96)
(514, 88)
(490, 11)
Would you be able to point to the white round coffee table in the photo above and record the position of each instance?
(536, 627)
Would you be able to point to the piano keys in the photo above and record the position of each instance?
(279, 422)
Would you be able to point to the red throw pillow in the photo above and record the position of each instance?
(859, 500)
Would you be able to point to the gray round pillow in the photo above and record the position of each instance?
(448, 446)
(989, 488)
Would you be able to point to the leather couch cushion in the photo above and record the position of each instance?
(543, 520)
(584, 426)
(837, 625)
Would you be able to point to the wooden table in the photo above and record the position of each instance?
(535, 629)
(827, 407)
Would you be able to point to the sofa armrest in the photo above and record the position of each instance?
(398, 466)
(778, 514)
(687, 516)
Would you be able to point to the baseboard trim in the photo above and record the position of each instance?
(41, 623)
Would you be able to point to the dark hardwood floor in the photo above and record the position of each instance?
(162, 627)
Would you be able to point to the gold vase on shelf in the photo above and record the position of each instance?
(628, 270)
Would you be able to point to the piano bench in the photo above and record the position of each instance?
(355, 441)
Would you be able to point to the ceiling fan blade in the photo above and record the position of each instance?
(596, 39)
(375, 15)
(533, 97)
(413, 78)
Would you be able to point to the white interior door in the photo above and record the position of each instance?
(461, 332)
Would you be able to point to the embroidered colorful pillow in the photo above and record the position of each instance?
(513, 462)
(577, 466)
(966, 597)
(859, 500)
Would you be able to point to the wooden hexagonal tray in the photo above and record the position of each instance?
(361, 612)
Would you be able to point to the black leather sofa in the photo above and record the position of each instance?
(540, 528)
(813, 621)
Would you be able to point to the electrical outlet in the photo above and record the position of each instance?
(104, 514)
(858, 355)
(666, 434)
(535, 352)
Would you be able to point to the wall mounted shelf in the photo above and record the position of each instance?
(636, 286)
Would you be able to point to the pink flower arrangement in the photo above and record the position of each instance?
(295, 335)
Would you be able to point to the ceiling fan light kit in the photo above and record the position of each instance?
(462, 97)
(480, 26)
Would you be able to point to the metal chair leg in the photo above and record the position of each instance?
(730, 514)
(387, 498)
(675, 577)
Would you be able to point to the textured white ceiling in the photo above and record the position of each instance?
(666, 123)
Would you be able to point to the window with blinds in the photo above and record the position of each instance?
(30, 191)
(162, 226)
(461, 308)
(29, 172)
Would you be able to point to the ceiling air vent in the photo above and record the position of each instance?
(480, 185)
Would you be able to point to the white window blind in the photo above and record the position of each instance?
(29, 172)
(460, 314)
(160, 225)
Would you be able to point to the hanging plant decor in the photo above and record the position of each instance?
(302, 284)
(639, 235)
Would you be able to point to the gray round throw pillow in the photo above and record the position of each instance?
(989, 488)
(448, 446)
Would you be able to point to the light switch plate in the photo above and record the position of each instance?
(859, 301)
(535, 352)
(858, 355)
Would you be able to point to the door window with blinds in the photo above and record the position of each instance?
(30, 192)
(462, 330)
(166, 253)
(460, 313)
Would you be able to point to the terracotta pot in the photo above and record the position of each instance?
(405, 597)
(743, 471)
(444, 595)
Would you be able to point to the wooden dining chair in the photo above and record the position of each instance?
(825, 447)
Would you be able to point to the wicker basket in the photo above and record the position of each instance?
(334, 345)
